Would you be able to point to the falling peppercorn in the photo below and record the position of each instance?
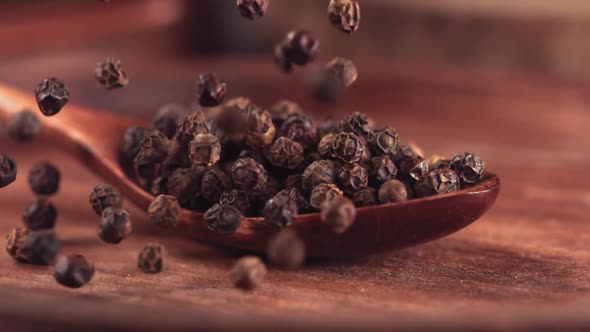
(252, 9)
(248, 273)
(282, 110)
(115, 225)
(339, 214)
(210, 90)
(280, 210)
(8, 170)
(110, 74)
(392, 191)
(344, 15)
(52, 95)
(44, 178)
(343, 71)
(23, 126)
(168, 118)
(39, 214)
(40, 247)
(129, 147)
(73, 271)
(324, 193)
(286, 250)
(104, 196)
(164, 211)
(300, 47)
(151, 258)
(14, 243)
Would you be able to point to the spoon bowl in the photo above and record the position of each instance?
(94, 137)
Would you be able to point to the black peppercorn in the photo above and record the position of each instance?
(299, 128)
(345, 15)
(154, 147)
(40, 247)
(281, 60)
(382, 169)
(286, 250)
(248, 273)
(223, 218)
(213, 184)
(407, 150)
(440, 181)
(325, 145)
(193, 124)
(39, 214)
(248, 175)
(324, 85)
(392, 191)
(236, 198)
(185, 185)
(347, 147)
(14, 243)
(365, 197)
(164, 211)
(318, 172)
(383, 141)
(323, 193)
(252, 9)
(104, 196)
(358, 124)
(130, 145)
(469, 167)
(52, 95)
(282, 110)
(23, 126)
(233, 119)
(204, 150)
(210, 90)
(280, 210)
(300, 47)
(285, 153)
(343, 71)
(411, 169)
(115, 225)
(168, 118)
(8, 170)
(110, 74)
(151, 258)
(339, 214)
(261, 131)
(44, 178)
(73, 271)
(352, 177)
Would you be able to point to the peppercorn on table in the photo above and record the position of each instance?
(524, 266)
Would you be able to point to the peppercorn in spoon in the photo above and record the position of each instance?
(94, 138)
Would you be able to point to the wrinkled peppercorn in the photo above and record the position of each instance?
(204, 150)
(300, 129)
(39, 214)
(285, 153)
(193, 124)
(110, 74)
(8, 171)
(280, 210)
(252, 9)
(248, 273)
(104, 196)
(352, 177)
(14, 243)
(261, 131)
(223, 218)
(185, 185)
(405, 151)
(411, 169)
(358, 124)
(164, 211)
(210, 90)
(469, 167)
(23, 126)
(73, 271)
(339, 214)
(130, 145)
(248, 175)
(440, 181)
(213, 184)
(392, 191)
(286, 250)
(154, 146)
(343, 71)
(325, 145)
(345, 15)
(281, 60)
(438, 162)
(282, 110)
(44, 178)
(151, 258)
(168, 118)
(383, 141)
(382, 169)
(365, 197)
(115, 225)
(318, 172)
(52, 95)
(236, 198)
(323, 193)
(300, 47)
(347, 147)
(324, 85)
(40, 247)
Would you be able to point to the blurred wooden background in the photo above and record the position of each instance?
(540, 36)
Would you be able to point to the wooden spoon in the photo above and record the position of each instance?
(94, 137)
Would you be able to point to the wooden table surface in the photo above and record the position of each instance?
(524, 266)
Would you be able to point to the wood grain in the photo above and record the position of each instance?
(524, 266)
